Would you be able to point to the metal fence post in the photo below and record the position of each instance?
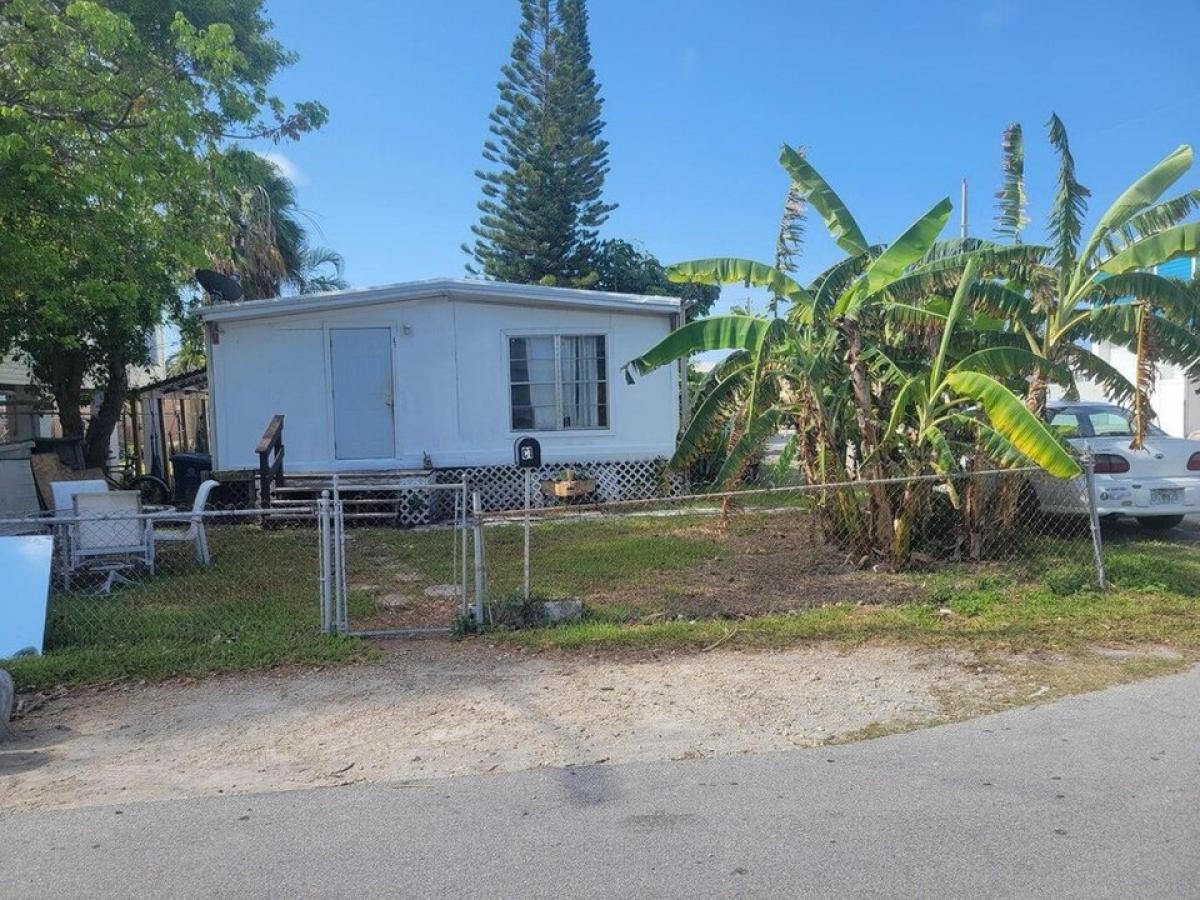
(324, 532)
(341, 611)
(528, 500)
(1089, 468)
(462, 527)
(480, 568)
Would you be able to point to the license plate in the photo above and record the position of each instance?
(1166, 496)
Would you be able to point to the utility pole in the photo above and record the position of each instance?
(962, 210)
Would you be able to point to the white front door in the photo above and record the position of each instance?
(363, 422)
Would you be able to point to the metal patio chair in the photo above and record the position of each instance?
(117, 539)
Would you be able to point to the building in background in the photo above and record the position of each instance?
(1174, 399)
(26, 412)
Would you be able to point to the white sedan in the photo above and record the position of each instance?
(1158, 484)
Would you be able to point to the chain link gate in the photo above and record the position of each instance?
(394, 558)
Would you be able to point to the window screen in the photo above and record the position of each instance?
(558, 382)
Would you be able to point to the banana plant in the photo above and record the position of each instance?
(951, 397)
(1081, 291)
(740, 395)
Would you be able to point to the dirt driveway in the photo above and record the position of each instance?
(440, 708)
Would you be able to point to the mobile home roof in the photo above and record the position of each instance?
(457, 288)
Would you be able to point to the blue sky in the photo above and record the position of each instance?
(895, 102)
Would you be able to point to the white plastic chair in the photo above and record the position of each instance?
(63, 493)
(117, 539)
(195, 531)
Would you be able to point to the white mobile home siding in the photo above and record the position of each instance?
(450, 384)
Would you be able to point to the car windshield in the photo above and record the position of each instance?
(1092, 421)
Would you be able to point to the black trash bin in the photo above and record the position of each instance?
(190, 470)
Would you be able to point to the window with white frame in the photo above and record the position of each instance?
(557, 381)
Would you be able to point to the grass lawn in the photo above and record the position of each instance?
(1154, 598)
(646, 582)
(255, 607)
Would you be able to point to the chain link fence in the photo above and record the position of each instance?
(373, 559)
(405, 558)
(401, 557)
(163, 580)
(770, 549)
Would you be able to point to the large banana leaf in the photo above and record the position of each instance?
(1007, 362)
(730, 270)
(1010, 418)
(1136, 198)
(1166, 293)
(943, 455)
(830, 284)
(889, 266)
(750, 443)
(1002, 300)
(910, 318)
(1011, 199)
(1159, 218)
(721, 369)
(1070, 204)
(713, 333)
(816, 190)
(1182, 240)
(912, 392)
(941, 275)
(707, 416)
(1119, 388)
(1172, 342)
(883, 367)
(995, 445)
(953, 315)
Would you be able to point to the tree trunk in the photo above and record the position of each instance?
(883, 526)
(64, 377)
(107, 416)
(1035, 400)
(64, 373)
(911, 505)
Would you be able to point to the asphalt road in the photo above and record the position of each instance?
(1090, 797)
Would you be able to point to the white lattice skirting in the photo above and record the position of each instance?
(503, 487)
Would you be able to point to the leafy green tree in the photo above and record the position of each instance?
(623, 267)
(111, 174)
(542, 200)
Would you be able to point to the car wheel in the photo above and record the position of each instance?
(1159, 523)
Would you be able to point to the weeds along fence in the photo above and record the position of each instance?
(780, 548)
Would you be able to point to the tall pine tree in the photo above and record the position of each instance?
(542, 203)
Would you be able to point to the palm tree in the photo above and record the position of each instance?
(271, 251)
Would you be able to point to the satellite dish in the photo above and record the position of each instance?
(222, 288)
